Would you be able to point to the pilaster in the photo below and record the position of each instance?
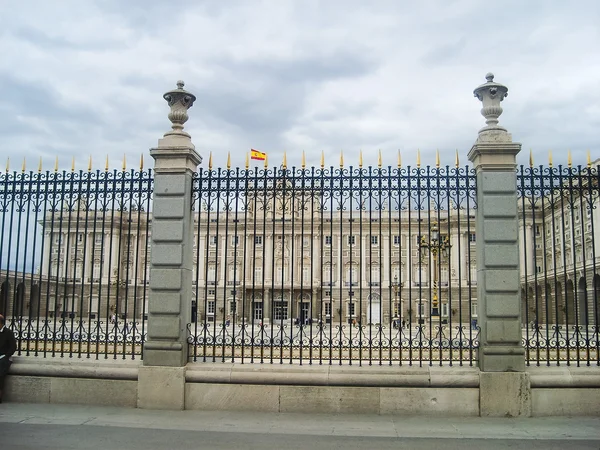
(172, 240)
(498, 278)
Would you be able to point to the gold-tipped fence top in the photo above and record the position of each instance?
(284, 163)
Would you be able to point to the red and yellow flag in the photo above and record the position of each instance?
(255, 154)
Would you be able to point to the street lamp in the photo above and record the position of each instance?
(397, 286)
(438, 246)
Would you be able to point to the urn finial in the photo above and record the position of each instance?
(180, 101)
(491, 94)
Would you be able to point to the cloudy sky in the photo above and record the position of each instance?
(80, 78)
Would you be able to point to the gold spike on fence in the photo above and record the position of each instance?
(530, 158)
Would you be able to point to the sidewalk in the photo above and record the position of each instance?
(255, 430)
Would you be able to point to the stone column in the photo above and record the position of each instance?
(504, 391)
(162, 379)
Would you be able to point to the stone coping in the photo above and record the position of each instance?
(564, 377)
(305, 375)
(108, 369)
(334, 375)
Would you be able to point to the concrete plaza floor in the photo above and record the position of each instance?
(47, 426)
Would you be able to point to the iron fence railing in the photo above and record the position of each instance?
(366, 265)
(319, 265)
(559, 264)
(73, 250)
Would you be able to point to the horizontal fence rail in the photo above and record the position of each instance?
(560, 283)
(73, 250)
(364, 265)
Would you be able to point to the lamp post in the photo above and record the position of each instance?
(437, 246)
(397, 286)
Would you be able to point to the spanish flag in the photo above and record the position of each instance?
(255, 154)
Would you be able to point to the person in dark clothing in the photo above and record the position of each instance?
(8, 346)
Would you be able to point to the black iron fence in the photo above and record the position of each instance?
(73, 253)
(366, 265)
(320, 265)
(559, 264)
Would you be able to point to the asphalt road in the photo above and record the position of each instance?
(63, 427)
(82, 437)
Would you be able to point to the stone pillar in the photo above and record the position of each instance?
(503, 390)
(162, 379)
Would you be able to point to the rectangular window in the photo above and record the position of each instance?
(281, 310)
(420, 309)
(258, 310)
(234, 240)
(258, 240)
(328, 240)
(396, 241)
(351, 240)
(232, 307)
(374, 240)
(79, 238)
(212, 241)
(210, 307)
(328, 309)
(444, 309)
(472, 237)
(306, 274)
(351, 309)
(212, 274)
(473, 309)
(211, 292)
(258, 275)
(537, 230)
(327, 293)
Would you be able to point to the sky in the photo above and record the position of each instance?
(86, 78)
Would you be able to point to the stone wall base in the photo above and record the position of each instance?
(161, 388)
(410, 391)
(504, 394)
(87, 391)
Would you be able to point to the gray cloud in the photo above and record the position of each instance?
(81, 78)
